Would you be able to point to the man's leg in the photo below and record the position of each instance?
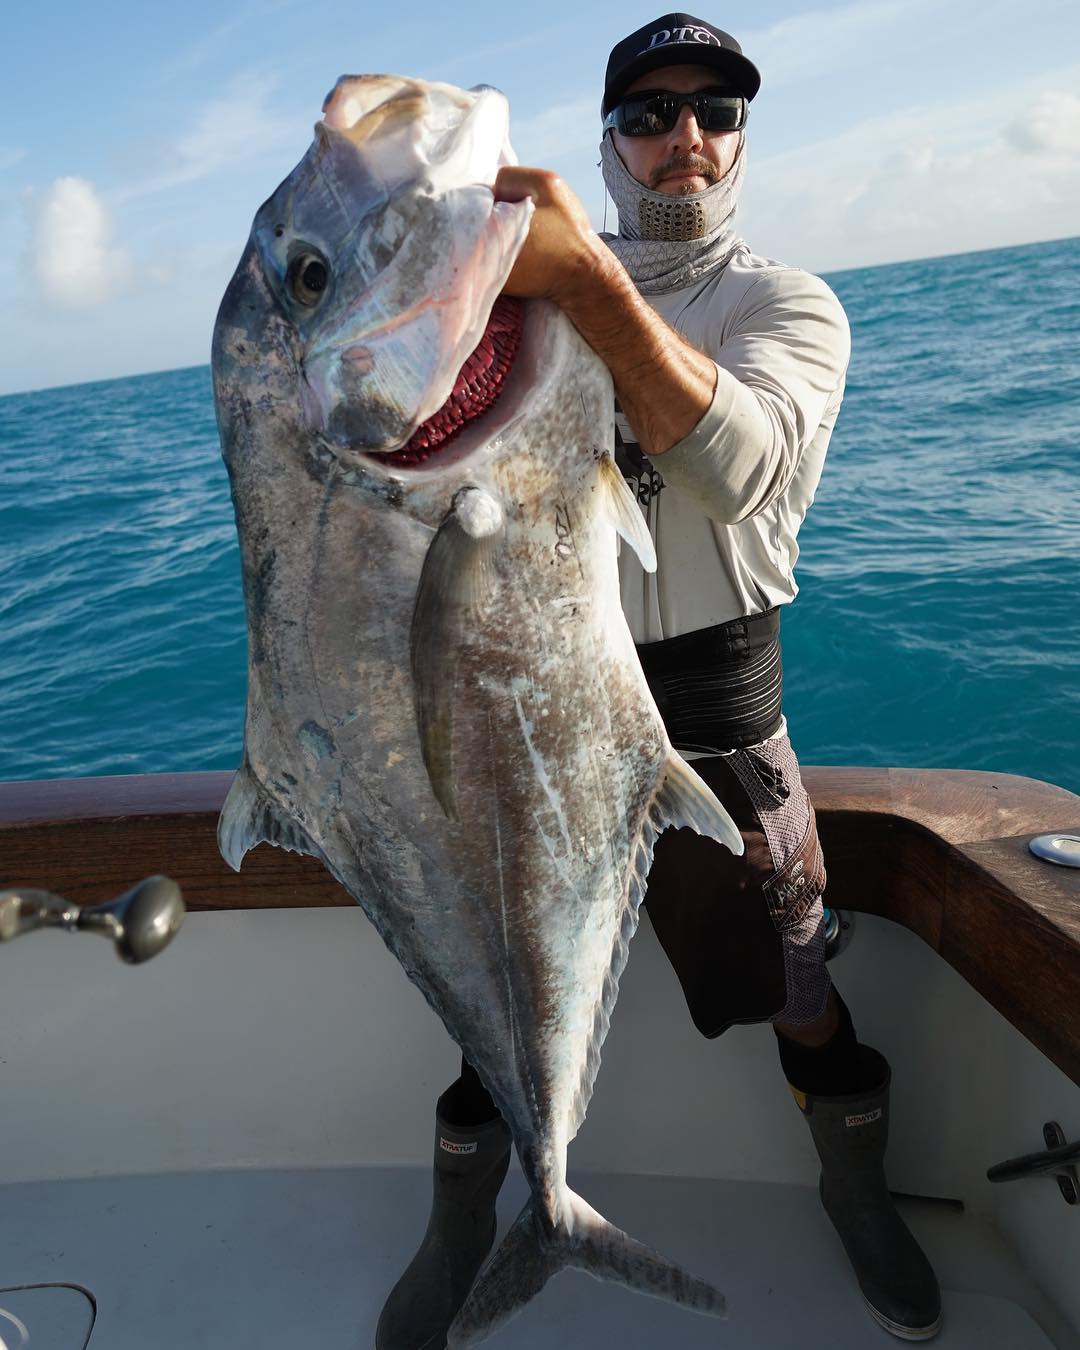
(815, 1033)
(472, 1154)
(745, 937)
(842, 1089)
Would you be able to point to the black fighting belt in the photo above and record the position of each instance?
(718, 688)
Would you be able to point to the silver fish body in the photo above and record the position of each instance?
(445, 704)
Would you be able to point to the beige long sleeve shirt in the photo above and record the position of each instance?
(724, 506)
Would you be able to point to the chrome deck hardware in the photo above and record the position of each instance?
(1057, 1160)
(1063, 849)
(839, 930)
(141, 922)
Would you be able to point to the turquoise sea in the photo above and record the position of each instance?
(939, 620)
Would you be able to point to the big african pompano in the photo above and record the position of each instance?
(444, 701)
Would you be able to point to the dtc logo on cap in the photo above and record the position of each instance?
(686, 34)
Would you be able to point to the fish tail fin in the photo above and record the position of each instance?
(532, 1252)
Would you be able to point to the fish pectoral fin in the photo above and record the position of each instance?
(626, 514)
(685, 800)
(250, 816)
(457, 583)
(530, 1254)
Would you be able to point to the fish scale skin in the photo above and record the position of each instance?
(513, 918)
(328, 649)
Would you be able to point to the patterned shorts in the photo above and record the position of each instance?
(746, 936)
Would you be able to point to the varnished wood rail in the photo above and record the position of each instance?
(943, 852)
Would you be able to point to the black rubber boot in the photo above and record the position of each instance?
(897, 1281)
(470, 1165)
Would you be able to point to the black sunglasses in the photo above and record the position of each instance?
(651, 112)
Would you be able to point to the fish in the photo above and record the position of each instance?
(445, 705)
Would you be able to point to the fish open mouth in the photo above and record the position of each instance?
(479, 383)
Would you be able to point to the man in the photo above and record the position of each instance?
(728, 372)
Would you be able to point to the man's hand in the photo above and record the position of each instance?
(562, 251)
(663, 384)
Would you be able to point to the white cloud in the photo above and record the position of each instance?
(868, 35)
(1051, 126)
(925, 181)
(819, 42)
(73, 256)
(226, 132)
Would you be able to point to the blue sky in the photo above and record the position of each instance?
(138, 139)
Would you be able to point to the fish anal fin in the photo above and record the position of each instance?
(250, 816)
(626, 515)
(682, 799)
(685, 800)
(455, 591)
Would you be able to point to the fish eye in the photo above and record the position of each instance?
(308, 278)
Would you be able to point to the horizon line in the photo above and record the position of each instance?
(830, 272)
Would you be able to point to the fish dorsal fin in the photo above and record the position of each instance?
(685, 800)
(455, 589)
(250, 816)
(626, 514)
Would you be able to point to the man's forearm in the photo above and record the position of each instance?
(663, 385)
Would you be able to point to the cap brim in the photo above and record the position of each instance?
(741, 72)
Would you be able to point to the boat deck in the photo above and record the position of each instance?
(229, 1148)
(277, 1260)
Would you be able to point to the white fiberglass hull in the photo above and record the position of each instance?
(229, 1148)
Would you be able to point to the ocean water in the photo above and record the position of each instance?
(939, 618)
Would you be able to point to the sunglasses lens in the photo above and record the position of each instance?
(720, 113)
(648, 116)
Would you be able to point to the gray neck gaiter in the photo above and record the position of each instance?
(668, 242)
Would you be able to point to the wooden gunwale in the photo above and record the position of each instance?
(942, 852)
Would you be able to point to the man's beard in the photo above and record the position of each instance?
(684, 164)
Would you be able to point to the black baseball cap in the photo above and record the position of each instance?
(675, 40)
